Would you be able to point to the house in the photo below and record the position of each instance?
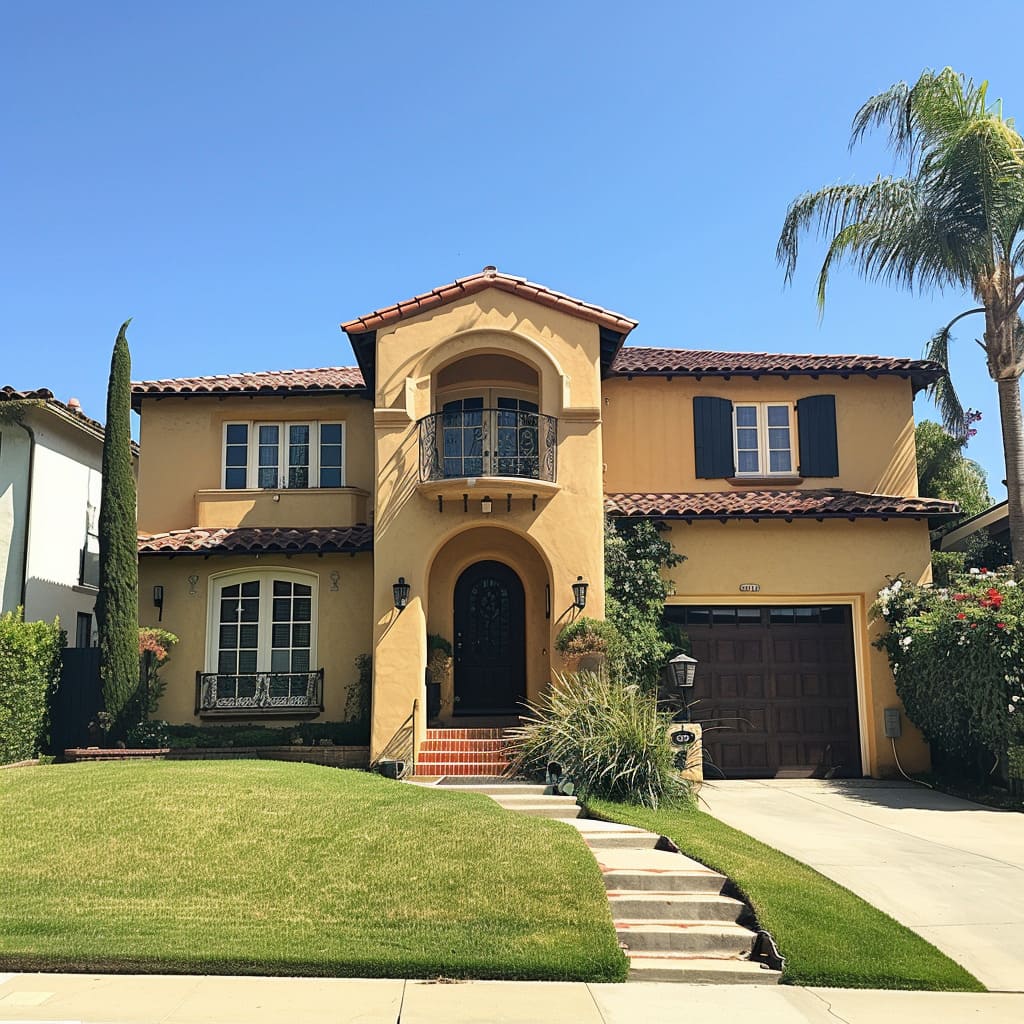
(456, 482)
(993, 523)
(51, 457)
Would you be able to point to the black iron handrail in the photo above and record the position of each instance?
(488, 442)
(260, 693)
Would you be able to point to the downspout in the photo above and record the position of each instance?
(28, 509)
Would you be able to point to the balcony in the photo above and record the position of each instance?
(313, 506)
(507, 451)
(260, 694)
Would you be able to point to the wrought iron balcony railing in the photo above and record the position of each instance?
(488, 442)
(260, 693)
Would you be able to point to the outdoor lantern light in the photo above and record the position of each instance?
(401, 589)
(579, 593)
(683, 668)
(158, 602)
(485, 505)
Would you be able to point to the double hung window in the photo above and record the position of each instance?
(763, 435)
(284, 455)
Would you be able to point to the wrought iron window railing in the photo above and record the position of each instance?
(488, 442)
(260, 693)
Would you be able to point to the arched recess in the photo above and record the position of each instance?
(470, 547)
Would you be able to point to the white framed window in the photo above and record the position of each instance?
(262, 620)
(296, 455)
(763, 439)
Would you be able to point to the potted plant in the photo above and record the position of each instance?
(588, 644)
(439, 664)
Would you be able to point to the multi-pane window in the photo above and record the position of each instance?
(263, 636)
(284, 455)
(463, 444)
(763, 434)
(490, 441)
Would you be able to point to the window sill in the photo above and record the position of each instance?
(765, 481)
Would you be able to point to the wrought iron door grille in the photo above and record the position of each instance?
(260, 693)
(488, 442)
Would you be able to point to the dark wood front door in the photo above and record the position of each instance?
(776, 689)
(490, 641)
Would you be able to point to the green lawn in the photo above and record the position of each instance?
(829, 936)
(269, 868)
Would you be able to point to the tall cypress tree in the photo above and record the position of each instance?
(117, 604)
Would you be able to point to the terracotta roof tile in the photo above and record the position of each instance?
(657, 362)
(45, 395)
(252, 539)
(489, 277)
(790, 504)
(326, 378)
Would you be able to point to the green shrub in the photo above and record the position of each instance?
(1015, 763)
(29, 671)
(357, 702)
(155, 646)
(957, 656)
(182, 737)
(946, 565)
(148, 734)
(587, 636)
(608, 736)
(636, 559)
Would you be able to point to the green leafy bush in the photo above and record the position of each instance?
(608, 736)
(636, 558)
(957, 655)
(29, 671)
(357, 702)
(946, 565)
(586, 636)
(181, 737)
(150, 735)
(155, 646)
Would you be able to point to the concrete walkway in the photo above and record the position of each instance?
(951, 870)
(155, 999)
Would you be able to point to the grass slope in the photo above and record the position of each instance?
(829, 936)
(268, 868)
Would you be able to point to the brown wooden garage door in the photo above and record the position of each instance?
(782, 681)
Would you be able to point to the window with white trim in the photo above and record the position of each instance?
(264, 622)
(763, 439)
(270, 456)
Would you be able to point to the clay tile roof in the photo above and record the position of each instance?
(274, 382)
(656, 362)
(44, 397)
(247, 540)
(793, 504)
(489, 277)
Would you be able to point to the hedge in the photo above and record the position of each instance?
(29, 670)
(180, 737)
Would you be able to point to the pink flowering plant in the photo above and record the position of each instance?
(957, 655)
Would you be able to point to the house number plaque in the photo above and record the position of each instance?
(749, 588)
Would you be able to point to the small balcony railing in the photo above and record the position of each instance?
(260, 693)
(488, 442)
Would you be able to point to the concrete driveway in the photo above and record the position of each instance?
(951, 870)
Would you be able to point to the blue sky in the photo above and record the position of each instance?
(239, 178)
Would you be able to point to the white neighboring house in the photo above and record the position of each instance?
(50, 476)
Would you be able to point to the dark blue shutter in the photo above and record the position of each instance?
(712, 437)
(819, 447)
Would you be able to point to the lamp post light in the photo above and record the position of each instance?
(682, 669)
(401, 592)
(579, 593)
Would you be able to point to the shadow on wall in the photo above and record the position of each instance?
(900, 476)
(46, 600)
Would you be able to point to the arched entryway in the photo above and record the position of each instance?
(490, 640)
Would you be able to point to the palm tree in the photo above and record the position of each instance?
(955, 220)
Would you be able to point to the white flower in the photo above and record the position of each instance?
(905, 642)
(975, 572)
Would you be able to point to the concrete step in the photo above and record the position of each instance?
(697, 938)
(700, 971)
(488, 769)
(674, 906)
(656, 871)
(502, 789)
(621, 841)
(545, 807)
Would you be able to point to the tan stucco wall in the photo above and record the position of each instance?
(181, 442)
(343, 627)
(648, 430)
(808, 562)
(411, 533)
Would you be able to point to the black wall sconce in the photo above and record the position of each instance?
(158, 602)
(401, 592)
(682, 669)
(579, 593)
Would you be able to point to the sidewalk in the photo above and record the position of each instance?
(187, 999)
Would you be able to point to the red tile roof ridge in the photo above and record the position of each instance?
(489, 277)
(242, 539)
